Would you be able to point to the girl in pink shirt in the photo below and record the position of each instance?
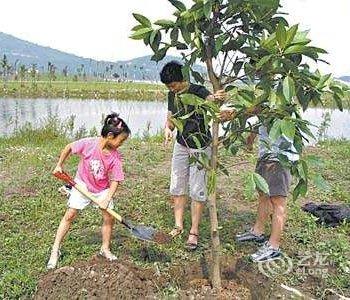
(99, 171)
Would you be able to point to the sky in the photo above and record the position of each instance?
(100, 29)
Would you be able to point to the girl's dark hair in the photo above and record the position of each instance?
(114, 125)
(171, 72)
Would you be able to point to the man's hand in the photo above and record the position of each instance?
(57, 169)
(218, 96)
(104, 203)
(168, 135)
(227, 115)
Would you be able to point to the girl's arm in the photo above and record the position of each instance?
(112, 189)
(63, 157)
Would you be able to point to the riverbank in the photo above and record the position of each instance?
(84, 90)
(31, 208)
(100, 90)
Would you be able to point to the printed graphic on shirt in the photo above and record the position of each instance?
(97, 168)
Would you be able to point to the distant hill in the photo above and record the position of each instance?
(345, 78)
(23, 52)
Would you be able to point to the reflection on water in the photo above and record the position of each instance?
(140, 116)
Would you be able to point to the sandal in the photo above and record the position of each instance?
(52, 263)
(192, 246)
(107, 255)
(176, 232)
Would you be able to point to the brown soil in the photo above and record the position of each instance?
(161, 238)
(19, 191)
(98, 279)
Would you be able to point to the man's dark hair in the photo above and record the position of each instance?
(171, 72)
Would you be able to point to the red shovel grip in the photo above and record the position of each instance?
(65, 177)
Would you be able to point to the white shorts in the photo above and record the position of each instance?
(188, 178)
(78, 201)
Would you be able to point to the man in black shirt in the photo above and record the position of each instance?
(193, 139)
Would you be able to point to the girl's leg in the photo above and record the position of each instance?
(107, 228)
(62, 230)
(64, 226)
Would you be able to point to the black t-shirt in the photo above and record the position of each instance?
(194, 126)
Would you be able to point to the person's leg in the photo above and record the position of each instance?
(106, 231)
(179, 209)
(179, 185)
(62, 230)
(196, 214)
(279, 217)
(198, 194)
(264, 211)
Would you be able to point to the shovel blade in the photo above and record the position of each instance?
(150, 234)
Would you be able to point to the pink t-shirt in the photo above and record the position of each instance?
(96, 168)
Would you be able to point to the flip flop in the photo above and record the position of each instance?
(192, 246)
(176, 232)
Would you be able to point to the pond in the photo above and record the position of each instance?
(143, 117)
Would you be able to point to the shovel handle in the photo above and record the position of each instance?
(68, 179)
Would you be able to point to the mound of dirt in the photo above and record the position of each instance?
(98, 279)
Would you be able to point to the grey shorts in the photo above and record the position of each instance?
(277, 177)
(188, 179)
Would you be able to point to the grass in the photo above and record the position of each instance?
(84, 90)
(31, 208)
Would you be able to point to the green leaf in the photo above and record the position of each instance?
(263, 61)
(261, 183)
(186, 34)
(281, 35)
(178, 4)
(288, 88)
(165, 23)
(275, 131)
(197, 76)
(338, 101)
(303, 169)
(296, 49)
(174, 35)
(219, 43)
(300, 189)
(141, 33)
(160, 54)
(207, 9)
(250, 184)
(137, 27)
(142, 20)
(291, 34)
(288, 129)
(320, 182)
(178, 124)
(155, 40)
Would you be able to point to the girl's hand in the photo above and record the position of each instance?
(58, 169)
(104, 203)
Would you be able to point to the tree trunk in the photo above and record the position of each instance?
(215, 269)
(215, 272)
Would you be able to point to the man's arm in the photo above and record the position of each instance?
(169, 127)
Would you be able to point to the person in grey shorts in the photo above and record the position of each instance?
(278, 179)
(186, 179)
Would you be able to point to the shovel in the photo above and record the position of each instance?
(141, 232)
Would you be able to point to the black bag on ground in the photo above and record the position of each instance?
(329, 214)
